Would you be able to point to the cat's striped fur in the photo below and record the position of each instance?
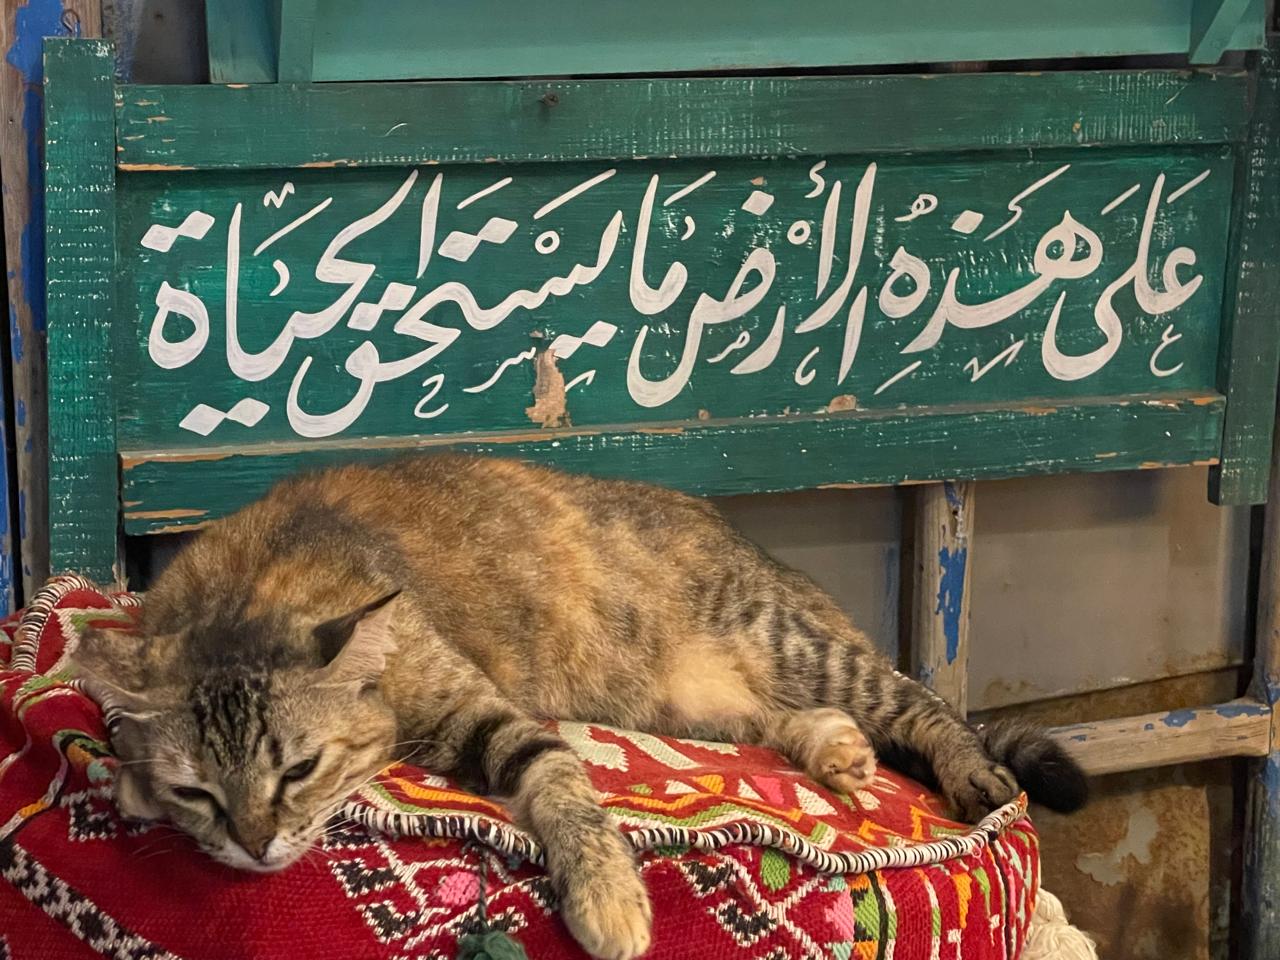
(519, 593)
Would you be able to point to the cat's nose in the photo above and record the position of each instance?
(257, 847)
(254, 842)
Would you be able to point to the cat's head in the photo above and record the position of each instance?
(250, 756)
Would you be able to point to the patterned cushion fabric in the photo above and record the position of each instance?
(743, 855)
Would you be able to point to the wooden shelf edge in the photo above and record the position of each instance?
(1240, 728)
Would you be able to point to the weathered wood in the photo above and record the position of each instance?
(940, 625)
(80, 273)
(297, 31)
(22, 31)
(352, 124)
(1259, 928)
(241, 40)
(166, 490)
(408, 39)
(1250, 352)
(1213, 25)
(1240, 728)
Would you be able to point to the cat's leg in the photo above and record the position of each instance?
(819, 659)
(603, 900)
(825, 743)
(909, 724)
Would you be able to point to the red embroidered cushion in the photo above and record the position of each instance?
(743, 855)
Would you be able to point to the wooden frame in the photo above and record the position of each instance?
(292, 41)
(118, 466)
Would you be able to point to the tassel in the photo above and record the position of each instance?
(491, 945)
(488, 944)
(1052, 937)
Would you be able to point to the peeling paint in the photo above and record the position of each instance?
(1178, 718)
(178, 514)
(951, 596)
(845, 401)
(549, 408)
(1232, 710)
(155, 167)
(1109, 867)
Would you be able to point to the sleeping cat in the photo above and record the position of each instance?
(435, 608)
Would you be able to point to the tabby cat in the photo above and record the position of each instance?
(436, 608)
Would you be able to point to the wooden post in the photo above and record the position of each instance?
(1249, 352)
(22, 31)
(80, 237)
(940, 620)
(1260, 914)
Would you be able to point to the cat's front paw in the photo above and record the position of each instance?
(978, 788)
(844, 760)
(608, 911)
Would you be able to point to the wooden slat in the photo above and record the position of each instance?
(1241, 728)
(242, 43)
(1250, 352)
(347, 124)
(170, 490)
(80, 267)
(412, 39)
(297, 31)
(1213, 24)
(940, 625)
(22, 32)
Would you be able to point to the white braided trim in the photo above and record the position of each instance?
(27, 637)
(513, 841)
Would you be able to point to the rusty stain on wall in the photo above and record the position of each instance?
(1110, 866)
(1146, 866)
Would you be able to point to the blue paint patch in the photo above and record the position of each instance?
(1178, 718)
(30, 445)
(1271, 784)
(1080, 738)
(1148, 726)
(32, 23)
(22, 412)
(15, 334)
(952, 495)
(889, 612)
(951, 596)
(1231, 710)
(1273, 691)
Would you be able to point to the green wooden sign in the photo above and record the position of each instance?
(346, 303)
(723, 284)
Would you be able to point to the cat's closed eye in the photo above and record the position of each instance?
(300, 771)
(197, 795)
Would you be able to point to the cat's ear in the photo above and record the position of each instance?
(117, 654)
(116, 701)
(355, 646)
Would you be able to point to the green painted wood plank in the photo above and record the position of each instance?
(242, 40)
(282, 125)
(171, 490)
(1250, 352)
(408, 39)
(297, 30)
(79, 264)
(1214, 24)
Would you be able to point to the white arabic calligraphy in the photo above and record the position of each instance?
(900, 288)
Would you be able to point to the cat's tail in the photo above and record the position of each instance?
(1043, 768)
